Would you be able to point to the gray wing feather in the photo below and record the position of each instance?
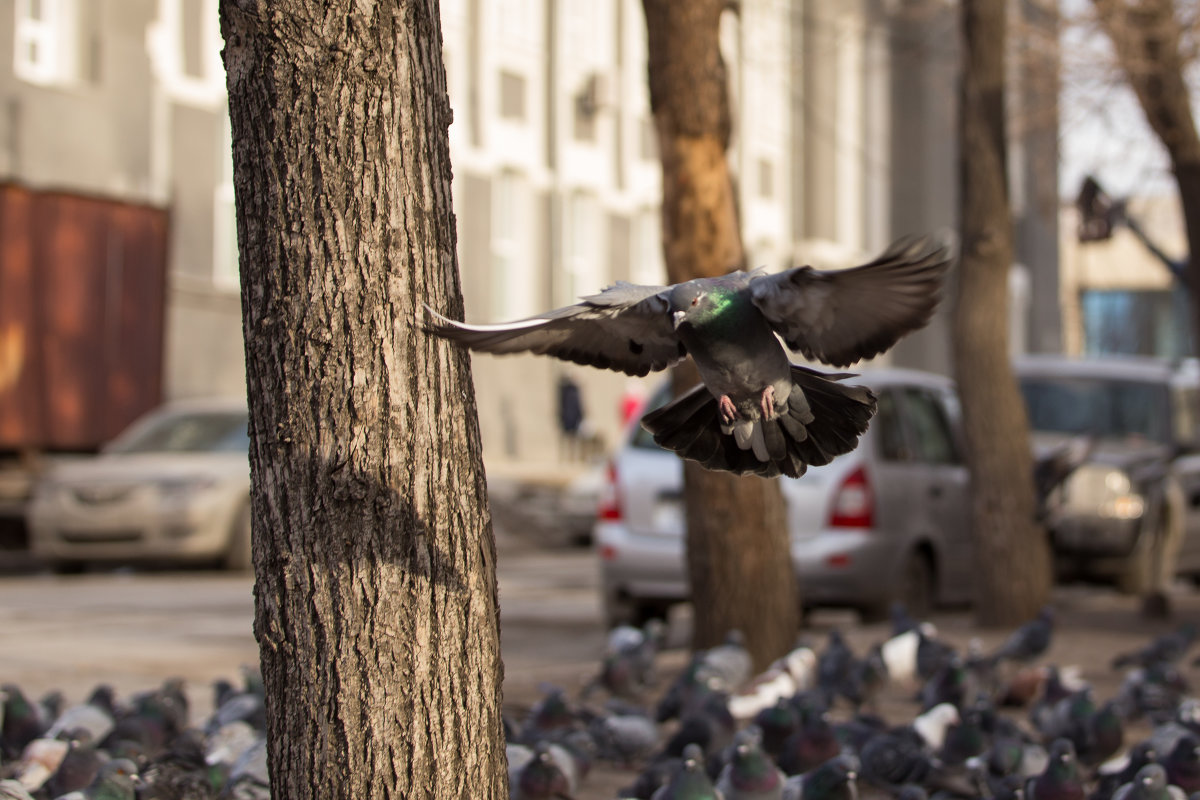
(626, 328)
(842, 316)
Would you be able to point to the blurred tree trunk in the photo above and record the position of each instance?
(1147, 37)
(738, 552)
(1012, 555)
(375, 602)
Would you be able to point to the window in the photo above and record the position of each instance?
(889, 429)
(1107, 408)
(584, 117)
(647, 267)
(511, 282)
(931, 431)
(583, 248)
(647, 139)
(766, 179)
(46, 42)
(512, 95)
(193, 432)
(185, 49)
(225, 244)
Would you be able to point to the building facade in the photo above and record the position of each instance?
(844, 116)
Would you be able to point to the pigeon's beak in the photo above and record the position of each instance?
(677, 318)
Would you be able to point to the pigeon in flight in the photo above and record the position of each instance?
(756, 412)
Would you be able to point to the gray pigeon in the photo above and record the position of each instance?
(690, 782)
(728, 665)
(1150, 783)
(750, 773)
(756, 412)
(13, 790)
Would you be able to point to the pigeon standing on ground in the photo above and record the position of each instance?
(750, 773)
(541, 778)
(1060, 780)
(755, 412)
(728, 665)
(1166, 649)
(784, 678)
(95, 716)
(833, 780)
(1150, 783)
(690, 782)
(1029, 641)
(1182, 763)
(21, 721)
(13, 790)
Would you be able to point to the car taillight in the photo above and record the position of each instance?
(852, 503)
(609, 506)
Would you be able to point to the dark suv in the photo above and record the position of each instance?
(1132, 507)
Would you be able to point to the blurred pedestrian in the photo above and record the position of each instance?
(570, 417)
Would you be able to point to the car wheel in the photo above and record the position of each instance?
(620, 609)
(873, 613)
(67, 567)
(238, 556)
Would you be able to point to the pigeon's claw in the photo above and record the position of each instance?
(768, 402)
(728, 410)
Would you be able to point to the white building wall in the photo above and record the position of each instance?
(763, 141)
(579, 193)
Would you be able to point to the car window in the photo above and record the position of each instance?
(889, 431)
(202, 432)
(1103, 407)
(642, 438)
(933, 439)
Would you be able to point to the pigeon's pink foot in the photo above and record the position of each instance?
(768, 402)
(727, 408)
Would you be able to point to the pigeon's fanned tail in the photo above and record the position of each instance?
(840, 414)
(824, 419)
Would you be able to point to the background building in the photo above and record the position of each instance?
(1117, 296)
(845, 119)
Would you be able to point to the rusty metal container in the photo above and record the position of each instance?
(82, 289)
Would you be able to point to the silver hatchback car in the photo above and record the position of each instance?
(174, 487)
(889, 521)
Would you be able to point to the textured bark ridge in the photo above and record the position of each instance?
(376, 603)
(1012, 556)
(739, 563)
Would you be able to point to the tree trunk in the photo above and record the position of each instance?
(375, 601)
(1147, 36)
(738, 554)
(1012, 554)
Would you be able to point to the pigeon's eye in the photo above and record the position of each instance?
(696, 300)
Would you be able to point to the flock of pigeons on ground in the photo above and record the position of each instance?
(145, 748)
(994, 725)
(988, 725)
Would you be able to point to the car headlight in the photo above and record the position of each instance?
(1103, 491)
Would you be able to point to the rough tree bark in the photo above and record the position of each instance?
(738, 554)
(375, 600)
(1147, 37)
(1012, 554)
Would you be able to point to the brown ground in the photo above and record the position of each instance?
(134, 629)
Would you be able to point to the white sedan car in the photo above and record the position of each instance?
(888, 521)
(174, 487)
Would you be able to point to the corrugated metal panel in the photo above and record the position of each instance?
(93, 273)
(20, 373)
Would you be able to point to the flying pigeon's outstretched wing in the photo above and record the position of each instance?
(626, 328)
(843, 316)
